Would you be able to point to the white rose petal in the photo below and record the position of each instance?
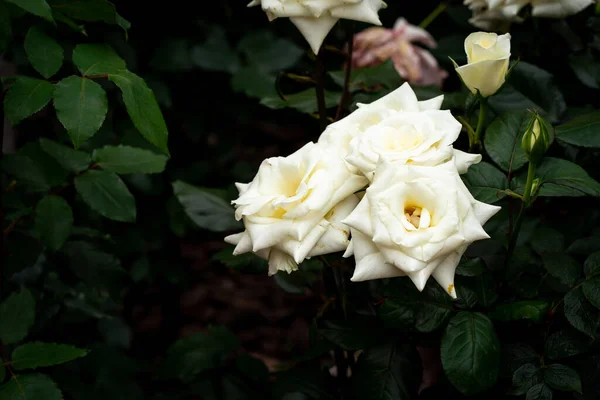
(294, 206)
(415, 221)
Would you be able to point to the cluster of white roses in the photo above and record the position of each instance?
(491, 14)
(382, 184)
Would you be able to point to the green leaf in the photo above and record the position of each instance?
(485, 182)
(472, 267)
(349, 335)
(503, 138)
(581, 131)
(384, 74)
(565, 343)
(5, 29)
(266, 52)
(26, 97)
(30, 387)
(188, 357)
(471, 352)
(90, 11)
(17, 315)
(97, 59)
(586, 245)
(386, 372)
(525, 377)
(591, 290)
(35, 7)
(128, 160)
(581, 314)
(516, 355)
(254, 83)
(81, 107)
(207, 210)
(485, 289)
(591, 266)
(305, 102)
(215, 54)
(547, 240)
(563, 267)
(531, 309)
(38, 354)
(541, 391)
(27, 172)
(586, 69)
(106, 193)
(72, 160)
(245, 263)
(142, 108)
(561, 178)
(561, 377)
(53, 221)
(43, 52)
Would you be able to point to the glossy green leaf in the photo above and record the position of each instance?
(35, 7)
(106, 193)
(207, 210)
(580, 313)
(485, 182)
(591, 290)
(53, 221)
(581, 131)
(541, 391)
(128, 160)
(563, 267)
(38, 354)
(305, 102)
(81, 107)
(254, 83)
(28, 173)
(30, 387)
(591, 266)
(530, 309)
(142, 108)
(503, 137)
(525, 377)
(72, 160)
(43, 52)
(386, 372)
(561, 377)
(471, 352)
(26, 97)
(97, 59)
(17, 314)
(566, 343)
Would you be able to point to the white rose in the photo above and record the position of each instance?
(293, 208)
(398, 128)
(415, 221)
(315, 18)
(558, 8)
(488, 56)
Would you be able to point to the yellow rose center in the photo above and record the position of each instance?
(486, 43)
(418, 217)
(395, 139)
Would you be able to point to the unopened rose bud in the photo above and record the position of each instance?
(537, 138)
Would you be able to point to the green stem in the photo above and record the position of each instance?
(473, 146)
(320, 79)
(346, 90)
(434, 14)
(524, 205)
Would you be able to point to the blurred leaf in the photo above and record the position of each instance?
(115, 332)
(188, 357)
(30, 387)
(106, 193)
(26, 171)
(267, 52)
(565, 343)
(562, 267)
(485, 288)
(38, 354)
(70, 159)
(44, 53)
(5, 30)
(586, 245)
(2, 373)
(205, 209)
(254, 83)
(471, 352)
(582, 315)
(305, 102)
(586, 69)
(245, 263)
(472, 267)
(26, 97)
(36, 7)
(533, 309)
(172, 55)
(384, 74)
(253, 368)
(127, 160)
(142, 108)
(53, 221)
(90, 11)
(17, 315)
(591, 267)
(485, 182)
(562, 377)
(547, 240)
(525, 377)
(516, 355)
(81, 107)
(541, 391)
(503, 140)
(97, 59)
(386, 372)
(350, 335)
(581, 131)
(591, 290)
(215, 54)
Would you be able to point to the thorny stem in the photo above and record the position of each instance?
(433, 15)
(346, 90)
(524, 205)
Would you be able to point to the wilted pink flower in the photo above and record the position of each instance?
(374, 46)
